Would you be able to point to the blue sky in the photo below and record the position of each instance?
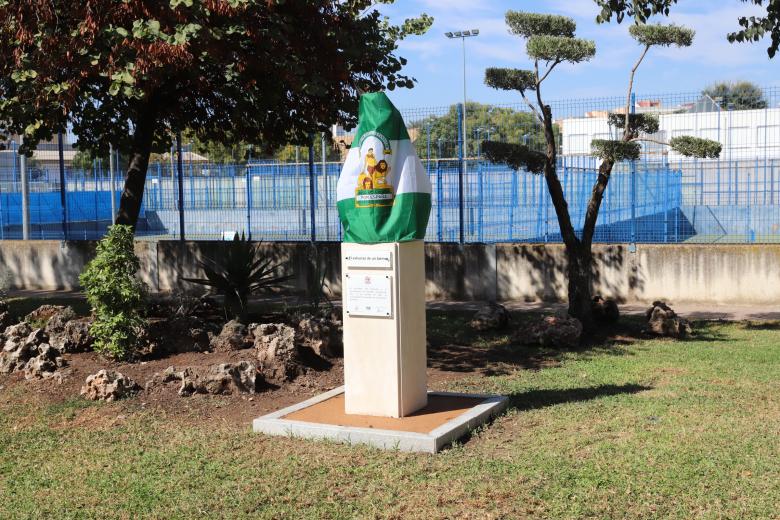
(436, 62)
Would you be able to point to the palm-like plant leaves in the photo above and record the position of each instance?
(238, 273)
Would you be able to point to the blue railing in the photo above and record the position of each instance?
(645, 202)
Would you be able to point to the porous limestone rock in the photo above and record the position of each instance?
(277, 352)
(224, 378)
(552, 331)
(663, 321)
(29, 351)
(491, 316)
(234, 336)
(323, 334)
(605, 310)
(109, 385)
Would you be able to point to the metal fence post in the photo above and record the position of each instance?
(312, 191)
(325, 181)
(439, 199)
(25, 196)
(633, 184)
(63, 196)
(461, 170)
(248, 182)
(180, 175)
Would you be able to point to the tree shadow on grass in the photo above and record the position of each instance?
(707, 331)
(455, 347)
(762, 325)
(535, 399)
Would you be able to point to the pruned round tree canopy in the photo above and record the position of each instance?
(510, 79)
(615, 150)
(536, 24)
(696, 147)
(645, 123)
(662, 35)
(516, 156)
(560, 48)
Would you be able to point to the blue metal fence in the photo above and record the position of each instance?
(661, 198)
(272, 202)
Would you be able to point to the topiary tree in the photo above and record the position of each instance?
(115, 294)
(550, 42)
(752, 28)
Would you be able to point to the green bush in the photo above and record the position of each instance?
(115, 294)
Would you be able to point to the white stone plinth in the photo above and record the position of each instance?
(383, 288)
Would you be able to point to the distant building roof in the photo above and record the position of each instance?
(704, 104)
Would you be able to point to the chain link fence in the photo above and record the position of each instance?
(661, 198)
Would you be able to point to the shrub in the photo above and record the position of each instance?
(115, 294)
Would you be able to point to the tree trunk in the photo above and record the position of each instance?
(578, 254)
(579, 274)
(140, 149)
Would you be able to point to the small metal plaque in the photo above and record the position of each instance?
(369, 260)
(369, 295)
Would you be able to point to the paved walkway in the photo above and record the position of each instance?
(700, 311)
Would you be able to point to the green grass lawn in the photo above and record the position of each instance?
(650, 429)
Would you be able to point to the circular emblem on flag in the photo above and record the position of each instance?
(373, 187)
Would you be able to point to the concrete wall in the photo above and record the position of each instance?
(746, 274)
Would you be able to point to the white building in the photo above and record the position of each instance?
(744, 134)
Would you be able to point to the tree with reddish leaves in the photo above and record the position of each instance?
(132, 73)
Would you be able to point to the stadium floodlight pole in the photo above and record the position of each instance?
(463, 35)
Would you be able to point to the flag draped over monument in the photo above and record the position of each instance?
(383, 192)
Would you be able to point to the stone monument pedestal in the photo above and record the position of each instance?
(383, 287)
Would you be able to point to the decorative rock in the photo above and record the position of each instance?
(552, 331)
(27, 350)
(234, 336)
(20, 330)
(15, 356)
(277, 352)
(45, 313)
(57, 322)
(491, 316)
(74, 337)
(45, 364)
(663, 321)
(5, 316)
(228, 378)
(322, 335)
(5, 319)
(109, 385)
(36, 337)
(225, 378)
(605, 310)
(166, 376)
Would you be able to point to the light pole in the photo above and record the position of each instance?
(463, 35)
(478, 133)
(462, 170)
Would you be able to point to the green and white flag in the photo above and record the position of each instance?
(383, 192)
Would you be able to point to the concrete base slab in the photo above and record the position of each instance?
(447, 417)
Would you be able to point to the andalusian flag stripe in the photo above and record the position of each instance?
(378, 114)
(383, 192)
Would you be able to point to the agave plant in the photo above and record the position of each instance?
(238, 272)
